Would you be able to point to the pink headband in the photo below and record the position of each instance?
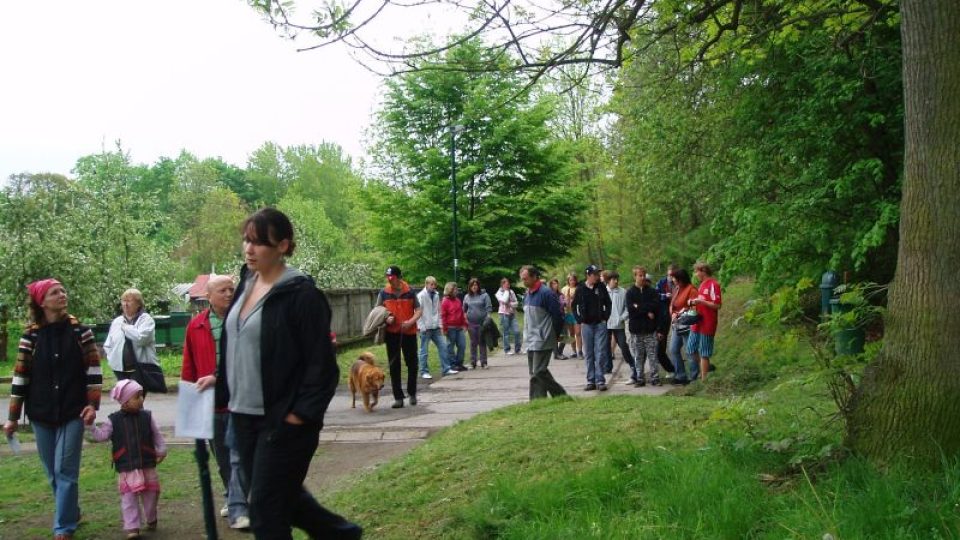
(124, 390)
(38, 289)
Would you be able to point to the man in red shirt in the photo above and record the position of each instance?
(707, 302)
(200, 353)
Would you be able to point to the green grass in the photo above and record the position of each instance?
(26, 503)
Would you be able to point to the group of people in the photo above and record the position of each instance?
(264, 346)
(444, 320)
(672, 318)
(642, 322)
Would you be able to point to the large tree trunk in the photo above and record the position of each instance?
(908, 404)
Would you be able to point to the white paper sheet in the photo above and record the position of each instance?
(194, 412)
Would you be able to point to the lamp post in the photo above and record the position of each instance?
(455, 130)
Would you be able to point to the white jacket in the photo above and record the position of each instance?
(508, 301)
(429, 310)
(141, 333)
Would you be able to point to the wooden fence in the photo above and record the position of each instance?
(350, 307)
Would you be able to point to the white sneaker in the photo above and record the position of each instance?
(451, 372)
(508, 353)
(426, 376)
(225, 511)
(242, 522)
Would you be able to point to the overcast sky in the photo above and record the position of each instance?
(208, 76)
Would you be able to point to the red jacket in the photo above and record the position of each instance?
(199, 349)
(451, 313)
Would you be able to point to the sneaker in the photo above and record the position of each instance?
(152, 526)
(451, 372)
(640, 382)
(413, 399)
(508, 353)
(426, 376)
(655, 382)
(225, 511)
(242, 522)
(133, 533)
(602, 387)
(483, 366)
(589, 387)
(679, 382)
(560, 356)
(398, 404)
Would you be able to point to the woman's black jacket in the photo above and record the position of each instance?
(298, 362)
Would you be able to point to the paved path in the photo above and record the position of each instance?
(441, 401)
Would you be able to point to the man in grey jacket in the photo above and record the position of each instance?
(429, 327)
(542, 318)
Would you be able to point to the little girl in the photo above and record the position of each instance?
(138, 447)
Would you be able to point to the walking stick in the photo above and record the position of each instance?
(203, 458)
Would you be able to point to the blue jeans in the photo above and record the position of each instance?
(456, 337)
(678, 342)
(237, 485)
(508, 327)
(59, 448)
(434, 335)
(595, 350)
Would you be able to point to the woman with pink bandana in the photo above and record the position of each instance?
(57, 379)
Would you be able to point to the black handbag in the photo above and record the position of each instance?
(150, 376)
(688, 318)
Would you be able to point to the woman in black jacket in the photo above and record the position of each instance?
(278, 376)
(57, 377)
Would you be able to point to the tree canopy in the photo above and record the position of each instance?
(515, 204)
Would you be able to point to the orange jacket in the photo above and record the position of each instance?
(402, 304)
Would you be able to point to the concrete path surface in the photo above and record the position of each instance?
(441, 401)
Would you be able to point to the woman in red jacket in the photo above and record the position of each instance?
(454, 326)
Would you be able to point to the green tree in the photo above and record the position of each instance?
(325, 174)
(268, 174)
(514, 203)
(906, 406)
(213, 239)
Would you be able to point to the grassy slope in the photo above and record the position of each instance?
(748, 455)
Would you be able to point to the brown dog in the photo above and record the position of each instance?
(366, 378)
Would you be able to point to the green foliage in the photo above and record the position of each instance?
(514, 206)
(785, 138)
(92, 234)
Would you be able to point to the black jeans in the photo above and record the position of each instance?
(620, 335)
(407, 344)
(276, 461)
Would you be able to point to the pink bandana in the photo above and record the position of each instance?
(38, 289)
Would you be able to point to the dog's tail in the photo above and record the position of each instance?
(367, 357)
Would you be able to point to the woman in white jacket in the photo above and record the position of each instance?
(136, 326)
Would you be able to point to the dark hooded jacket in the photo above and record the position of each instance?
(299, 365)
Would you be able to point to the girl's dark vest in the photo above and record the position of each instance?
(132, 439)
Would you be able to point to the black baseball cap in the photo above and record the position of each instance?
(592, 269)
(392, 271)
